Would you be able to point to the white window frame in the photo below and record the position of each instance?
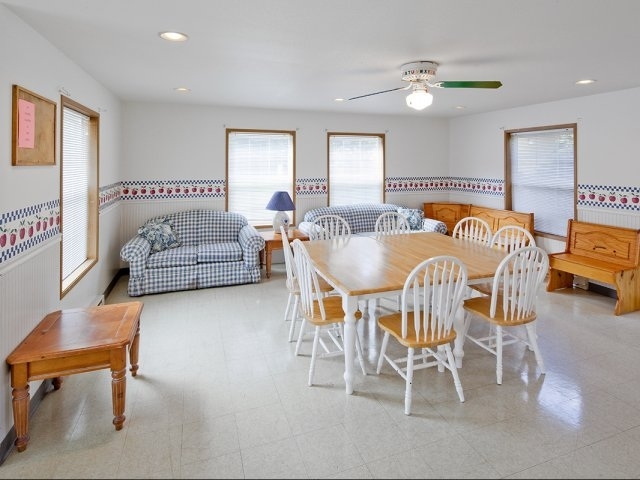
(356, 176)
(79, 166)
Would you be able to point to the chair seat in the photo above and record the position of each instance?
(483, 288)
(393, 324)
(481, 306)
(333, 312)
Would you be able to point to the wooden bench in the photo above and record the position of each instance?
(452, 213)
(604, 253)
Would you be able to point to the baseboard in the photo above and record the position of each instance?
(8, 442)
(121, 273)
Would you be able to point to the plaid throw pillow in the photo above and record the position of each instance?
(160, 234)
(414, 217)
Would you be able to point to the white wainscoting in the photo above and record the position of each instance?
(29, 289)
(609, 216)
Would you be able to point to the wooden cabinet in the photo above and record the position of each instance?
(452, 213)
(449, 213)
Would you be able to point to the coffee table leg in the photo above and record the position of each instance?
(20, 396)
(267, 254)
(133, 352)
(118, 385)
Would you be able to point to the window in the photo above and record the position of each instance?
(541, 176)
(259, 163)
(79, 195)
(356, 168)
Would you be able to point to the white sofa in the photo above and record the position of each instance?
(362, 217)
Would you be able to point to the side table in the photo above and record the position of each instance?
(273, 241)
(73, 341)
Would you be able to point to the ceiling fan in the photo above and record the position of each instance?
(420, 75)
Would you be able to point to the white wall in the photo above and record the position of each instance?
(608, 126)
(169, 140)
(29, 281)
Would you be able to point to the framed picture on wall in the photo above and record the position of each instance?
(33, 140)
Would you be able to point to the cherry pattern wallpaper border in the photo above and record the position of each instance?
(25, 229)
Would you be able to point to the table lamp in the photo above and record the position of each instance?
(281, 202)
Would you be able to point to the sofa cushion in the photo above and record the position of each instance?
(219, 252)
(174, 257)
(414, 217)
(160, 233)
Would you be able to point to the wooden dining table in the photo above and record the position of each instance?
(366, 268)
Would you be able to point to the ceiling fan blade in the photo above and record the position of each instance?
(383, 91)
(468, 84)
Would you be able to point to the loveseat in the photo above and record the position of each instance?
(192, 249)
(362, 217)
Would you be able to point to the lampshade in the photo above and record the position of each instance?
(282, 203)
(419, 99)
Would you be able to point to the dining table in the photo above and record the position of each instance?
(367, 268)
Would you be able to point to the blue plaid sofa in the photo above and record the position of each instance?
(192, 249)
(362, 217)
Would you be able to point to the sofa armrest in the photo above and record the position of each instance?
(432, 225)
(251, 242)
(136, 251)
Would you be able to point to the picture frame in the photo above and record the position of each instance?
(33, 140)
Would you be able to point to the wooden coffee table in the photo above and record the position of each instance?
(273, 241)
(75, 341)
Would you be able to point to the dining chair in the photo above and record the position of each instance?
(292, 285)
(327, 227)
(323, 312)
(473, 229)
(511, 305)
(439, 283)
(512, 237)
(507, 238)
(391, 223)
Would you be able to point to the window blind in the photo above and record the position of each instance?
(356, 169)
(259, 164)
(542, 177)
(75, 188)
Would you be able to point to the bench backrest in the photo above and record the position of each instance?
(617, 245)
(449, 213)
(497, 218)
(452, 213)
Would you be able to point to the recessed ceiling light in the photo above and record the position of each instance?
(585, 82)
(460, 107)
(182, 89)
(173, 36)
(338, 99)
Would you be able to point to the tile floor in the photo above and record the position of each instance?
(220, 394)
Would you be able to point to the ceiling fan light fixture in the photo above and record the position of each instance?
(419, 99)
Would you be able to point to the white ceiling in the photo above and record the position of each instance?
(301, 54)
